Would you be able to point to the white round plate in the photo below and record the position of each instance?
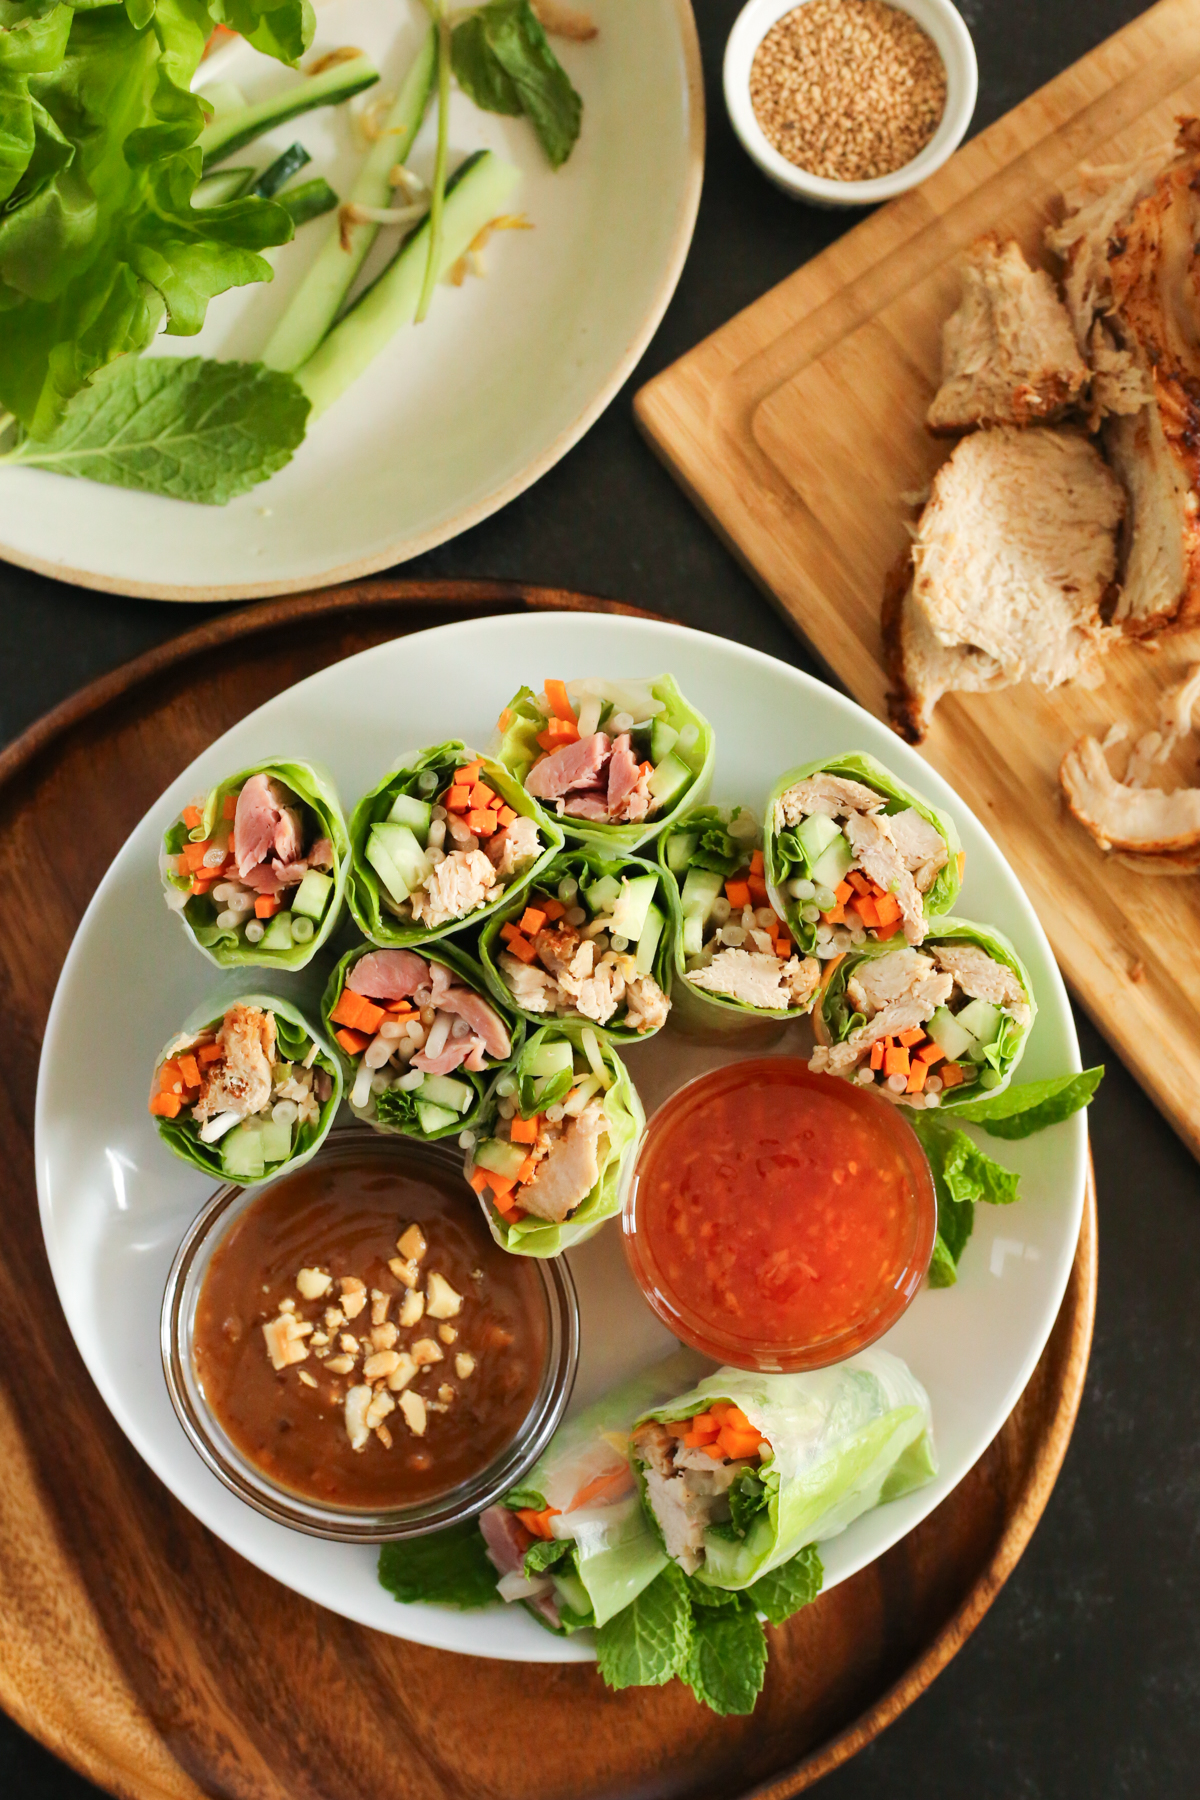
(115, 1203)
(462, 413)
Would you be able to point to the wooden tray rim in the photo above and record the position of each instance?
(90, 1761)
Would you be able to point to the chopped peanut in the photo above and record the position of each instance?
(425, 1350)
(285, 1341)
(464, 1366)
(445, 1393)
(411, 1244)
(355, 1413)
(379, 1306)
(312, 1283)
(349, 1343)
(340, 1365)
(354, 1295)
(379, 1366)
(406, 1273)
(447, 1333)
(307, 1379)
(413, 1408)
(403, 1373)
(380, 1407)
(441, 1301)
(384, 1336)
(411, 1307)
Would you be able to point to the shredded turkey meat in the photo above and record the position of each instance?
(1158, 830)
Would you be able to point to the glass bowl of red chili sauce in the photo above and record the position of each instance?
(777, 1219)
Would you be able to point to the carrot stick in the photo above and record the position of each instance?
(560, 701)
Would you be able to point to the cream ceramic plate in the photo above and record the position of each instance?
(115, 1203)
(458, 415)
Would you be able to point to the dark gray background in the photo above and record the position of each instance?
(1084, 1679)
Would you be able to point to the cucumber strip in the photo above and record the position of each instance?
(307, 200)
(476, 193)
(221, 188)
(318, 300)
(280, 171)
(232, 131)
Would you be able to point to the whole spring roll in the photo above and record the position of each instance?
(932, 1027)
(425, 1081)
(443, 840)
(854, 856)
(574, 1542)
(745, 1470)
(257, 868)
(590, 940)
(548, 1160)
(611, 761)
(735, 962)
(245, 1090)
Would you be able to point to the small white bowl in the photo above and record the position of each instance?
(945, 26)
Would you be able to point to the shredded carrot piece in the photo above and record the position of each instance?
(930, 1054)
(194, 854)
(877, 1049)
(478, 1178)
(737, 893)
(469, 774)
(560, 701)
(538, 1522)
(532, 921)
(843, 892)
(756, 863)
(209, 1053)
(458, 799)
(524, 1131)
(505, 720)
(169, 1076)
(527, 1170)
(952, 1075)
(506, 815)
(910, 1037)
(359, 1013)
(190, 1071)
(895, 1060)
(229, 808)
(553, 909)
(266, 906)
(736, 1419)
(166, 1106)
(482, 796)
(888, 908)
(352, 1042)
(191, 816)
(888, 931)
(864, 906)
(836, 915)
(917, 1074)
(738, 1443)
(522, 948)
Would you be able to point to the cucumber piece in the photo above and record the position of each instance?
(668, 780)
(679, 850)
(376, 854)
(443, 1090)
(603, 895)
(416, 814)
(307, 200)
(312, 896)
(280, 171)
(701, 887)
(278, 935)
(647, 945)
(500, 1158)
(629, 914)
(434, 1118)
(276, 1141)
(232, 130)
(403, 851)
(242, 1153)
(663, 739)
(549, 1059)
(221, 188)
(982, 1020)
(833, 864)
(570, 1589)
(815, 834)
(949, 1035)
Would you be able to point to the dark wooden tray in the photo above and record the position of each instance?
(164, 1667)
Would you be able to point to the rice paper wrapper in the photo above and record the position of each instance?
(837, 1015)
(518, 749)
(859, 766)
(365, 893)
(468, 971)
(626, 1123)
(585, 864)
(585, 1472)
(294, 1038)
(312, 785)
(844, 1440)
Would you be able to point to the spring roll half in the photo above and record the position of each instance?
(854, 856)
(932, 1027)
(745, 1470)
(444, 839)
(735, 962)
(590, 940)
(422, 1078)
(550, 1153)
(574, 1542)
(247, 1090)
(257, 869)
(611, 761)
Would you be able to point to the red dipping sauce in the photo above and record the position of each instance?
(779, 1219)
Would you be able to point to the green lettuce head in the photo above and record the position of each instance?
(560, 1065)
(840, 1442)
(296, 1077)
(424, 1106)
(808, 849)
(668, 733)
(638, 898)
(980, 1031)
(313, 906)
(392, 832)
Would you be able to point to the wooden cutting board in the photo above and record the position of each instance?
(155, 1660)
(797, 427)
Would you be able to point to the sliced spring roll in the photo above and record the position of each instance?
(444, 839)
(590, 940)
(854, 856)
(246, 1090)
(735, 962)
(745, 1470)
(931, 1027)
(421, 1081)
(550, 1174)
(611, 761)
(574, 1542)
(257, 868)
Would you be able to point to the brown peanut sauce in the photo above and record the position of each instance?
(342, 1215)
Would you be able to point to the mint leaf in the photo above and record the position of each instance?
(727, 1658)
(547, 1553)
(447, 1568)
(786, 1589)
(1030, 1106)
(192, 430)
(524, 1500)
(648, 1642)
(503, 60)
